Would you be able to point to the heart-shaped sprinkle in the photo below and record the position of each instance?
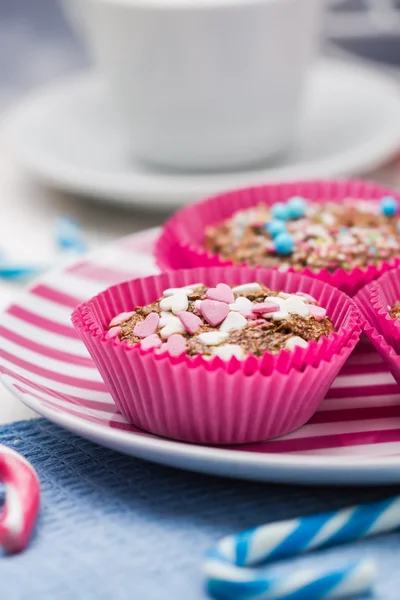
(170, 326)
(190, 321)
(118, 319)
(290, 305)
(197, 304)
(175, 345)
(307, 297)
(214, 312)
(265, 307)
(221, 293)
(188, 290)
(226, 351)
(212, 338)
(113, 332)
(317, 312)
(176, 303)
(151, 341)
(148, 326)
(241, 304)
(294, 341)
(247, 288)
(233, 321)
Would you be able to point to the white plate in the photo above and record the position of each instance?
(353, 439)
(67, 138)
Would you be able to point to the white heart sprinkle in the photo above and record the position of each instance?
(226, 351)
(177, 303)
(293, 304)
(233, 321)
(241, 304)
(294, 341)
(189, 289)
(170, 326)
(212, 338)
(247, 288)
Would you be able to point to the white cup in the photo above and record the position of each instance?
(203, 84)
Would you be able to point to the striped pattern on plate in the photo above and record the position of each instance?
(46, 365)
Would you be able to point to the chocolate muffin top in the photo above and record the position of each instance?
(395, 311)
(303, 234)
(224, 321)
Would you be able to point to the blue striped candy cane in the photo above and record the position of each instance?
(227, 566)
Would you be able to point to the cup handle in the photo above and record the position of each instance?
(22, 499)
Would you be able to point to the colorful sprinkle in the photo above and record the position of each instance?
(190, 321)
(388, 206)
(266, 307)
(317, 312)
(151, 341)
(284, 244)
(118, 319)
(275, 228)
(177, 302)
(113, 332)
(280, 211)
(295, 341)
(212, 338)
(145, 328)
(221, 293)
(297, 207)
(176, 345)
(214, 312)
(233, 321)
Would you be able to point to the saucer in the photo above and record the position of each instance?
(66, 137)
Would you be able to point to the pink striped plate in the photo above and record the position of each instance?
(354, 438)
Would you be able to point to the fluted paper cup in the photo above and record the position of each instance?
(212, 401)
(181, 242)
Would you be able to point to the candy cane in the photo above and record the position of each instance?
(21, 504)
(226, 566)
(288, 538)
(227, 582)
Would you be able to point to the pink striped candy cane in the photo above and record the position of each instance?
(21, 504)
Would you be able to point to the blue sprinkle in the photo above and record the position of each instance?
(15, 271)
(68, 235)
(284, 243)
(344, 229)
(280, 211)
(297, 207)
(275, 228)
(389, 206)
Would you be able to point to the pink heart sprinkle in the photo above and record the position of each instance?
(113, 332)
(151, 341)
(222, 293)
(310, 299)
(265, 307)
(190, 321)
(175, 345)
(257, 322)
(317, 311)
(118, 319)
(148, 326)
(214, 312)
(249, 314)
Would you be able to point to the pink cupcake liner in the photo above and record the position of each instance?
(212, 401)
(375, 301)
(180, 244)
(388, 353)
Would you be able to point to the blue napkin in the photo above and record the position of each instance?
(113, 527)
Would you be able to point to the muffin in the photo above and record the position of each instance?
(379, 303)
(224, 321)
(224, 355)
(344, 233)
